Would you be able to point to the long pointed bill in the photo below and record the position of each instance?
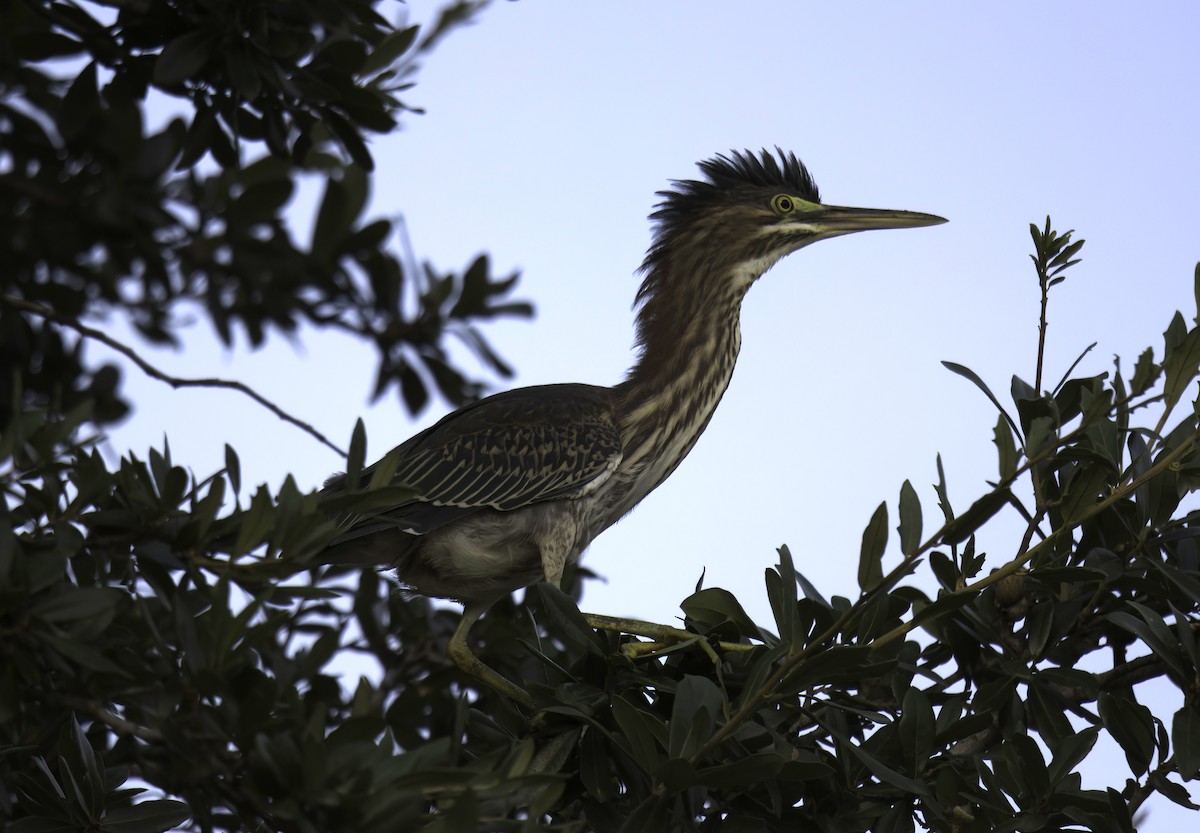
(835, 219)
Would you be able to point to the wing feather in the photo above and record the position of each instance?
(522, 447)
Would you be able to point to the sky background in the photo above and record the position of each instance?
(550, 126)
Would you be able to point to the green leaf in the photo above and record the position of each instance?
(255, 522)
(243, 72)
(1041, 435)
(595, 766)
(698, 702)
(942, 606)
(1158, 638)
(1175, 792)
(461, 816)
(84, 760)
(910, 520)
(82, 654)
(1196, 291)
(781, 593)
(1185, 740)
(1052, 577)
(78, 603)
(350, 139)
(81, 103)
(1026, 763)
(356, 458)
(1085, 488)
(153, 816)
(877, 767)
(675, 775)
(750, 769)
(262, 201)
(916, 728)
(1181, 363)
(942, 492)
(389, 49)
(1006, 449)
(568, 623)
(1046, 709)
(967, 373)
(1071, 751)
(980, 512)
(341, 205)
(183, 58)
(1131, 726)
(713, 606)
(641, 731)
(233, 468)
(1145, 372)
(874, 542)
(840, 663)
(648, 817)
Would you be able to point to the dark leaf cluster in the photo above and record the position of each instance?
(107, 213)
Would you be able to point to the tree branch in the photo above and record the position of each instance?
(154, 373)
(96, 711)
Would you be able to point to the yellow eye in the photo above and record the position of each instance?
(783, 204)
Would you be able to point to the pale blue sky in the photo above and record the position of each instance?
(551, 125)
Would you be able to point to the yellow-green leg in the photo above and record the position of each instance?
(666, 638)
(463, 657)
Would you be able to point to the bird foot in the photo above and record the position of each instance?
(664, 638)
(462, 656)
(473, 665)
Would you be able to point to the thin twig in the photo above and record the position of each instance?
(154, 373)
(115, 722)
(1042, 325)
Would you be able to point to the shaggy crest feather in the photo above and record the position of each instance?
(724, 174)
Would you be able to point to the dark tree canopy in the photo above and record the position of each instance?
(104, 217)
(166, 649)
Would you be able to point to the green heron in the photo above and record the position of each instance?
(514, 487)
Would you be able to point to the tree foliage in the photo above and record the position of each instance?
(159, 630)
(107, 214)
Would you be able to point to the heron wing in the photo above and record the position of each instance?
(524, 446)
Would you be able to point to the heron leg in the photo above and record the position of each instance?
(555, 548)
(460, 652)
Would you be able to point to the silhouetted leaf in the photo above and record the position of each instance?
(874, 542)
(979, 513)
(182, 58)
(1145, 373)
(714, 606)
(152, 816)
(916, 729)
(641, 732)
(1154, 632)
(693, 714)
(969, 374)
(1006, 449)
(1130, 724)
(390, 49)
(1181, 363)
(78, 603)
(910, 520)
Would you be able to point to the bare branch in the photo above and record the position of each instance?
(154, 373)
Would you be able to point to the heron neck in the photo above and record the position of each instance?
(688, 350)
